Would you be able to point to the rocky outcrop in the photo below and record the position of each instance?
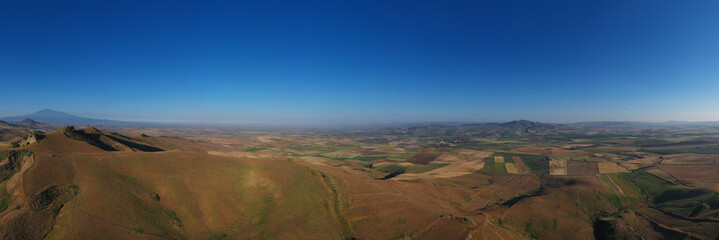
(108, 142)
(31, 138)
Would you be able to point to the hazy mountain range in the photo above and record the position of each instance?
(49, 116)
(55, 117)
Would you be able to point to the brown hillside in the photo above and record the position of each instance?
(107, 142)
(72, 189)
(424, 157)
(11, 133)
(177, 143)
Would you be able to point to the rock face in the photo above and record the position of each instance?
(31, 138)
(107, 141)
(67, 130)
(92, 130)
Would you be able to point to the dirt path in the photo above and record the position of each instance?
(426, 228)
(616, 187)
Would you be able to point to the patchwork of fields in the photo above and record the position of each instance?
(367, 185)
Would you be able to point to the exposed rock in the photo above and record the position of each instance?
(92, 130)
(67, 130)
(31, 138)
(108, 142)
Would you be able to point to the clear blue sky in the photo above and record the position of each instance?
(363, 61)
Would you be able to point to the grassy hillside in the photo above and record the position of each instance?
(683, 200)
(91, 193)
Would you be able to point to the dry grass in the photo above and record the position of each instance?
(691, 158)
(235, 154)
(452, 170)
(473, 155)
(521, 167)
(201, 195)
(606, 167)
(692, 172)
(558, 167)
(511, 168)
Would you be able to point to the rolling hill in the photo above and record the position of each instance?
(80, 184)
(11, 133)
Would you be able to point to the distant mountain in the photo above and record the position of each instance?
(502, 130)
(610, 124)
(32, 124)
(524, 129)
(635, 125)
(48, 116)
(15, 131)
(55, 117)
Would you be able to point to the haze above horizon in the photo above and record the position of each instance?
(362, 62)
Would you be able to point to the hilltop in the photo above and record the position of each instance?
(108, 142)
(87, 184)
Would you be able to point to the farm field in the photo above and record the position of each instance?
(180, 183)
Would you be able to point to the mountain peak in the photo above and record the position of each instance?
(55, 117)
(92, 130)
(49, 112)
(522, 122)
(28, 121)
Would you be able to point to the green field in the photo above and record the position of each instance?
(417, 168)
(255, 149)
(507, 156)
(699, 150)
(369, 158)
(500, 167)
(536, 163)
(490, 165)
(650, 142)
(391, 168)
(490, 146)
(682, 200)
(312, 148)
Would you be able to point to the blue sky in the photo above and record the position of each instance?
(363, 61)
